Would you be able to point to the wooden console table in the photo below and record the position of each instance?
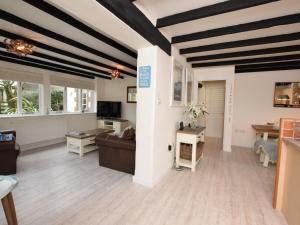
(189, 136)
(83, 142)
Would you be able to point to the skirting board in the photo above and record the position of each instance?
(42, 144)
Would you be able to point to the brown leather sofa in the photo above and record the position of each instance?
(116, 153)
(9, 152)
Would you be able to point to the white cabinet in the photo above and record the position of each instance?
(117, 125)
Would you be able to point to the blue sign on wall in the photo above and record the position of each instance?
(144, 76)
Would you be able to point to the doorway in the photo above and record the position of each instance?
(212, 94)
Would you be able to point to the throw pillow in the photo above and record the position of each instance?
(122, 133)
(129, 134)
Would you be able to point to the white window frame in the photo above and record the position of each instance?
(19, 99)
(19, 111)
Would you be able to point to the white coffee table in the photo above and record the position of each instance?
(83, 142)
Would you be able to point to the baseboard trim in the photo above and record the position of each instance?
(146, 183)
(41, 144)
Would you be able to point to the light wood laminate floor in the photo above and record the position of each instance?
(57, 187)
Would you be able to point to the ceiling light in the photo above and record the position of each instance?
(18, 47)
(115, 74)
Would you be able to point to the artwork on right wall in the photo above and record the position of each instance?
(287, 94)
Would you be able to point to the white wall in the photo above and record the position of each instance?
(156, 119)
(40, 130)
(220, 73)
(253, 103)
(116, 90)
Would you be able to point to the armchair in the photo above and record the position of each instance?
(9, 152)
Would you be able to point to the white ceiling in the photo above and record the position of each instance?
(162, 8)
(98, 18)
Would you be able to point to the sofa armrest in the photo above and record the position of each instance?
(7, 146)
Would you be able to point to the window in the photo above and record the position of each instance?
(73, 99)
(30, 97)
(87, 97)
(8, 97)
(19, 97)
(57, 98)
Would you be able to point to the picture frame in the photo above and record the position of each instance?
(177, 84)
(189, 81)
(287, 94)
(131, 94)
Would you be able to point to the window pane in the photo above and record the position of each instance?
(57, 98)
(8, 97)
(73, 95)
(87, 100)
(30, 97)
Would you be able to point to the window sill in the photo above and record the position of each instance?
(43, 115)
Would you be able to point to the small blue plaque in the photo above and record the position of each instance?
(144, 76)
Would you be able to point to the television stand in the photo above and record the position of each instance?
(115, 124)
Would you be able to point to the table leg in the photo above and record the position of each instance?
(9, 209)
(266, 136)
(81, 150)
(194, 149)
(177, 153)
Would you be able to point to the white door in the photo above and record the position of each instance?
(213, 94)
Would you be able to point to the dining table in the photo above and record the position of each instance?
(7, 184)
(266, 131)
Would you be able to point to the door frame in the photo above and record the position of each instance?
(226, 74)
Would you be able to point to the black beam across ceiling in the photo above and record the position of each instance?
(290, 65)
(126, 11)
(53, 11)
(60, 51)
(207, 11)
(63, 61)
(248, 61)
(38, 29)
(243, 43)
(20, 62)
(49, 64)
(284, 49)
(262, 24)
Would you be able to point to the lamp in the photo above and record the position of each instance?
(115, 74)
(18, 47)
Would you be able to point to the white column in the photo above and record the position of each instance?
(145, 120)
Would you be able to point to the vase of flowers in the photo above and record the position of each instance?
(193, 113)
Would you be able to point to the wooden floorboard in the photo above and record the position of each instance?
(60, 188)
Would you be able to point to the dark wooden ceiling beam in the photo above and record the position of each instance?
(248, 61)
(262, 24)
(243, 43)
(53, 11)
(126, 11)
(284, 49)
(20, 62)
(38, 29)
(49, 64)
(207, 11)
(61, 52)
(63, 61)
(290, 65)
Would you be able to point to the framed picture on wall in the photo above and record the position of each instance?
(287, 94)
(188, 86)
(177, 84)
(131, 94)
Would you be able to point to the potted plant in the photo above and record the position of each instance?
(193, 113)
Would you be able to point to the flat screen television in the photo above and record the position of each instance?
(107, 109)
